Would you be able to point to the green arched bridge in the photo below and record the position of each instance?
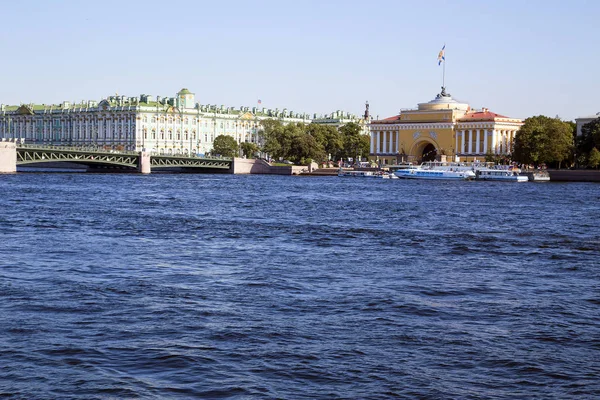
(29, 155)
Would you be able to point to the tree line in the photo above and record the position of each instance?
(553, 142)
(300, 143)
(540, 140)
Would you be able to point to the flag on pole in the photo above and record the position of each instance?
(441, 56)
(259, 101)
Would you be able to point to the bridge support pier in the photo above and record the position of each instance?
(144, 164)
(8, 157)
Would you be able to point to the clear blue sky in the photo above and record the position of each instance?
(518, 58)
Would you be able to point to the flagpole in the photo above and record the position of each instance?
(444, 73)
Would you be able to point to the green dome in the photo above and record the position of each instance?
(184, 91)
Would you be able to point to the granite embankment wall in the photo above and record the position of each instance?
(8, 157)
(574, 175)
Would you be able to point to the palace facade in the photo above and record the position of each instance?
(164, 125)
(442, 127)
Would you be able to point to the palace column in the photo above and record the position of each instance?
(372, 141)
(397, 149)
(496, 139)
(456, 142)
(378, 142)
(478, 142)
(388, 138)
(485, 141)
(470, 141)
(462, 147)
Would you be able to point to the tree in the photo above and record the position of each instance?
(249, 149)
(305, 148)
(355, 143)
(589, 140)
(594, 158)
(328, 137)
(225, 146)
(543, 140)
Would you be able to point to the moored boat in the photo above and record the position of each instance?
(424, 172)
(497, 174)
(356, 174)
(537, 176)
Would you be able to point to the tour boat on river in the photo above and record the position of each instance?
(356, 174)
(500, 174)
(437, 170)
(365, 174)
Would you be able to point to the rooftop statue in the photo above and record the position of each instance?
(443, 93)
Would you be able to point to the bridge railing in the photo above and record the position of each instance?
(99, 149)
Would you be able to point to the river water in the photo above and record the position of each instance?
(165, 286)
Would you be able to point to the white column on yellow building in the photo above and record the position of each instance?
(478, 142)
(470, 141)
(397, 149)
(462, 147)
(372, 141)
(485, 141)
(386, 142)
(456, 142)
(378, 142)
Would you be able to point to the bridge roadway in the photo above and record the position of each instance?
(27, 154)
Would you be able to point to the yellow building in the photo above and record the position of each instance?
(441, 127)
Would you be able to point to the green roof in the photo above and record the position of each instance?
(184, 91)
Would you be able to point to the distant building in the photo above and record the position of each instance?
(167, 125)
(443, 126)
(581, 121)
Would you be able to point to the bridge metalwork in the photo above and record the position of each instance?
(163, 161)
(27, 154)
(34, 154)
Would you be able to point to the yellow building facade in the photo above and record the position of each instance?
(442, 127)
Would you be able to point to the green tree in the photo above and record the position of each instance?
(594, 158)
(355, 143)
(305, 148)
(329, 138)
(589, 139)
(277, 141)
(249, 149)
(543, 140)
(225, 146)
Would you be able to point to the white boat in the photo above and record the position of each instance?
(433, 172)
(500, 174)
(356, 174)
(538, 176)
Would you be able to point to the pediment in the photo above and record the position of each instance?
(247, 115)
(25, 110)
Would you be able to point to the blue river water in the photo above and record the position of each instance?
(123, 286)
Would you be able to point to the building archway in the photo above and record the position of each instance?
(429, 153)
(424, 150)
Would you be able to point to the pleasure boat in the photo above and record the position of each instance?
(537, 176)
(431, 171)
(356, 174)
(500, 174)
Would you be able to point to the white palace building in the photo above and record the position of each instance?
(164, 125)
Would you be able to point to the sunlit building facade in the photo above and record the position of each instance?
(442, 127)
(165, 125)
